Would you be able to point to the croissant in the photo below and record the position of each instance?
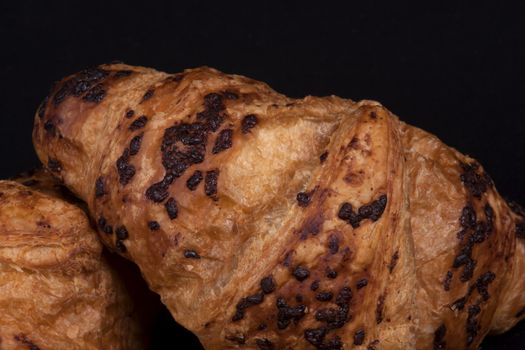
(266, 222)
(58, 291)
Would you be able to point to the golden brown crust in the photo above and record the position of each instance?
(254, 215)
(58, 291)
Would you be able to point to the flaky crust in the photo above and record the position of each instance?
(266, 222)
(57, 290)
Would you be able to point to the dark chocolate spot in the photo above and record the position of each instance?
(223, 141)
(359, 337)
(134, 145)
(439, 337)
(21, 338)
(447, 281)
(333, 344)
(287, 313)
(323, 156)
(468, 271)
(120, 246)
(468, 217)
(239, 315)
(49, 127)
(245, 303)
(303, 199)
(171, 208)
(248, 123)
(483, 282)
(210, 183)
(138, 123)
(125, 170)
(213, 102)
(324, 296)
(346, 213)
(158, 192)
(194, 180)
(185, 144)
(211, 119)
(104, 226)
(460, 260)
(315, 285)
(96, 94)
(331, 273)
(475, 183)
(459, 304)
(472, 323)
(268, 284)
(264, 344)
(191, 254)
(99, 187)
(301, 273)
(372, 211)
(344, 296)
(372, 345)
(122, 233)
(474, 231)
(148, 95)
(129, 113)
(86, 80)
(334, 318)
(54, 165)
(255, 299)
(315, 336)
(153, 225)
(361, 283)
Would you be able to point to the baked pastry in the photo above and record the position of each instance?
(58, 290)
(267, 222)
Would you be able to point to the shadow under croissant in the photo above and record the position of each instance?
(511, 339)
(160, 329)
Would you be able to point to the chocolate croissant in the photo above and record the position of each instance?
(58, 291)
(266, 222)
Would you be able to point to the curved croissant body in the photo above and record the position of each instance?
(58, 291)
(272, 223)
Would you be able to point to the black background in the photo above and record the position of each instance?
(456, 71)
